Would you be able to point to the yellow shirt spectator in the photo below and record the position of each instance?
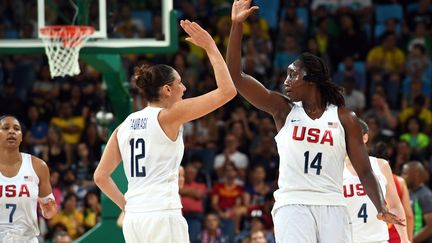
(71, 128)
(389, 60)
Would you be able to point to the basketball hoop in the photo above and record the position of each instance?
(62, 46)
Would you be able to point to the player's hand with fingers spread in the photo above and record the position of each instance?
(390, 218)
(197, 35)
(241, 9)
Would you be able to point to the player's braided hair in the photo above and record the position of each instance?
(150, 78)
(318, 73)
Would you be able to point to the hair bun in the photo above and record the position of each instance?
(142, 76)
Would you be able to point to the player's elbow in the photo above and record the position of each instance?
(228, 93)
(99, 178)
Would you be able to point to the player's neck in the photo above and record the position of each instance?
(161, 104)
(9, 156)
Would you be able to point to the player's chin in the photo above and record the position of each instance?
(292, 96)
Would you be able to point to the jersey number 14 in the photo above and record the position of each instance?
(137, 146)
(315, 164)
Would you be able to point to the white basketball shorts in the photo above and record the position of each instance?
(168, 226)
(312, 224)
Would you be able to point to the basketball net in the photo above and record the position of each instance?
(62, 46)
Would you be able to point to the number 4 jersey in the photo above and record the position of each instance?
(365, 225)
(18, 204)
(151, 162)
(312, 156)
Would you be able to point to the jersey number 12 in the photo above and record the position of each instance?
(137, 146)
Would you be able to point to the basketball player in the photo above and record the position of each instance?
(151, 146)
(24, 180)
(380, 150)
(402, 191)
(366, 227)
(315, 132)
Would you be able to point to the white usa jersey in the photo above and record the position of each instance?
(151, 162)
(312, 156)
(18, 204)
(365, 225)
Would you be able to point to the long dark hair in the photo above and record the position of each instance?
(318, 73)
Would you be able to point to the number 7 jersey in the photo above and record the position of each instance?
(312, 156)
(151, 162)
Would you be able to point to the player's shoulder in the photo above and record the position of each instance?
(347, 117)
(384, 166)
(39, 165)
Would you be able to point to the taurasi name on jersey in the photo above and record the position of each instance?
(138, 123)
(11, 190)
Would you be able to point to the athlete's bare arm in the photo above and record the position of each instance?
(190, 109)
(253, 91)
(110, 159)
(49, 208)
(359, 158)
(407, 207)
(392, 199)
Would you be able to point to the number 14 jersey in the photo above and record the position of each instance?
(312, 156)
(151, 162)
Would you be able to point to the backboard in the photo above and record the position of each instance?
(134, 26)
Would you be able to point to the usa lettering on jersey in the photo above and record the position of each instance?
(313, 135)
(14, 190)
(353, 189)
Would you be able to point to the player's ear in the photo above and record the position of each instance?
(365, 138)
(166, 90)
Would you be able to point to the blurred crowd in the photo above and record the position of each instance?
(379, 51)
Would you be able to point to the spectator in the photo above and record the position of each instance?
(70, 216)
(212, 231)
(417, 140)
(351, 40)
(62, 237)
(354, 98)
(228, 200)
(37, 130)
(231, 154)
(84, 168)
(55, 152)
(266, 156)
(420, 110)
(349, 71)
(71, 126)
(381, 110)
(256, 189)
(387, 57)
(193, 195)
(421, 200)
(91, 210)
(94, 141)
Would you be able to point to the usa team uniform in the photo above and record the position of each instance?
(309, 203)
(18, 204)
(151, 162)
(366, 226)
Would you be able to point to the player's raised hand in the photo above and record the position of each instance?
(390, 218)
(197, 35)
(241, 9)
